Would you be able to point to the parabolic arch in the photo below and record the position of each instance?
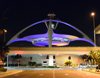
(85, 37)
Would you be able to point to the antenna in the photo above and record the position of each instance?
(51, 15)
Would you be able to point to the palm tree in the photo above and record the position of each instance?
(98, 58)
(95, 56)
(1, 32)
(3, 52)
(3, 48)
(84, 57)
(92, 56)
(2, 16)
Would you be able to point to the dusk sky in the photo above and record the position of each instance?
(22, 13)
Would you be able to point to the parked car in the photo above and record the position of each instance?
(44, 63)
(82, 65)
(92, 65)
(97, 67)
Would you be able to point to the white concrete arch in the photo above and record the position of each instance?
(17, 35)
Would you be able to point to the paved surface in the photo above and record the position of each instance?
(9, 72)
(92, 71)
(54, 74)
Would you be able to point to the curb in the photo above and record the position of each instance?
(91, 71)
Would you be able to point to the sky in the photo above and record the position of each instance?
(21, 13)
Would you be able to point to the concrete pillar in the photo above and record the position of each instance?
(50, 32)
(50, 60)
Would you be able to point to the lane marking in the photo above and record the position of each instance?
(66, 74)
(53, 74)
(41, 74)
(16, 75)
(88, 74)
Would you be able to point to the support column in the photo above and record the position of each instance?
(50, 60)
(50, 32)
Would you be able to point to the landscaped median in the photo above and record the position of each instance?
(51, 67)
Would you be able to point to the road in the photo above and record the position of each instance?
(54, 74)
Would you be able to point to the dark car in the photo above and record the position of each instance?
(97, 67)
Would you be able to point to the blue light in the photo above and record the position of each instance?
(25, 39)
(65, 39)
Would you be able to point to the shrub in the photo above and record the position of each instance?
(39, 64)
(68, 62)
(31, 63)
(90, 69)
(3, 69)
(51, 67)
(74, 65)
(1, 65)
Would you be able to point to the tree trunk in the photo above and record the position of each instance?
(98, 66)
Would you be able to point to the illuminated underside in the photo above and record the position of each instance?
(57, 39)
(45, 42)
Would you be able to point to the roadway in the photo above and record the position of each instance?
(54, 74)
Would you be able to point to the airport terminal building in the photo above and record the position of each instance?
(50, 47)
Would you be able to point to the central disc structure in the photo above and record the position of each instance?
(56, 41)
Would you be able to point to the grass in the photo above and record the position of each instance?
(51, 67)
(3, 69)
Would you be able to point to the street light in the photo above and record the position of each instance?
(5, 31)
(93, 14)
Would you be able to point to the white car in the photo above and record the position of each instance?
(44, 63)
(82, 66)
(92, 65)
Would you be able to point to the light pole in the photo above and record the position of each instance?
(93, 14)
(5, 31)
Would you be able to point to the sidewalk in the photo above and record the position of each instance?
(92, 71)
(9, 72)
